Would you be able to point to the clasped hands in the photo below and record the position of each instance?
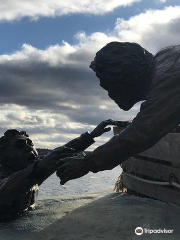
(71, 165)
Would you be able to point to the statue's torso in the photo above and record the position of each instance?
(20, 205)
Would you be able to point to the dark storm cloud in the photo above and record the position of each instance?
(71, 90)
(44, 86)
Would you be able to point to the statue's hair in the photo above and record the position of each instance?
(119, 62)
(5, 140)
(9, 136)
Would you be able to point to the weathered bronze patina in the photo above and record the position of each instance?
(130, 74)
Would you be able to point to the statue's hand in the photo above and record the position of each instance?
(71, 168)
(101, 128)
(49, 161)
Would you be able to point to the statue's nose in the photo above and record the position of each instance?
(93, 66)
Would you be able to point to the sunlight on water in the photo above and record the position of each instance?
(91, 183)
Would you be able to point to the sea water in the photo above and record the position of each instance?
(91, 183)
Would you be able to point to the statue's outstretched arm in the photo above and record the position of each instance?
(81, 143)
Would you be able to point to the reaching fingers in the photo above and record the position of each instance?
(69, 175)
(68, 171)
(62, 157)
(108, 122)
(59, 156)
(64, 171)
(107, 129)
(63, 174)
(63, 160)
(60, 170)
(63, 150)
(66, 179)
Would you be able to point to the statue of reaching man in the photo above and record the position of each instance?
(129, 73)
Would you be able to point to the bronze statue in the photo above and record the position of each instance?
(130, 74)
(22, 171)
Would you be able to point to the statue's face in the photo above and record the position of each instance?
(124, 97)
(21, 153)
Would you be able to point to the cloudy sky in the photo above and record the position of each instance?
(46, 86)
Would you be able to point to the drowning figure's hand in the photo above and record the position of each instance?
(48, 163)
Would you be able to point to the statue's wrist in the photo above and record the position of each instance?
(91, 134)
(43, 168)
(37, 171)
(90, 164)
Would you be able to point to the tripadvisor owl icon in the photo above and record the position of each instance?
(139, 231)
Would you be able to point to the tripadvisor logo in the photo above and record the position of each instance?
(140, 231)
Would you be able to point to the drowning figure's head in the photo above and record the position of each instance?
(17, 151)
(123, 70)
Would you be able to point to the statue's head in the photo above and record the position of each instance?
(17, 151)
(123, 70)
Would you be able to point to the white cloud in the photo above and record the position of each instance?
(34, 9)
(55, 92)
(64, 54)
(161, 1)
(153, 29)
(46, 129)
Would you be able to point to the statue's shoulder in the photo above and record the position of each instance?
(167, 64)
(168, 54)
(166, 73)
